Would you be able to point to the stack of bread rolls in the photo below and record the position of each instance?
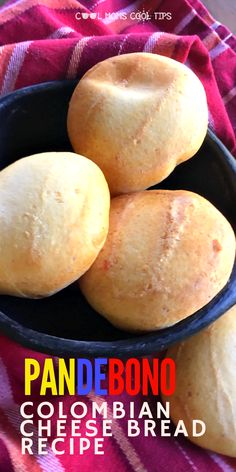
(168, 253)
(157, 256)
(154, 257)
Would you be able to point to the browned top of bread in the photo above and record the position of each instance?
(206, 384)
(167, 254)
(54, 214)
(137, 116)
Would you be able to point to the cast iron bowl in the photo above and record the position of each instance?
(33, 120)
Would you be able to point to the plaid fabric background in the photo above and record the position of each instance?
(42, 40)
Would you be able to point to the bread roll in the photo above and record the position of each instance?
(167, 254)
(206, 384)
(137, 116)
(54, 214)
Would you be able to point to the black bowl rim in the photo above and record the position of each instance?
(57, 84)
(146, 344)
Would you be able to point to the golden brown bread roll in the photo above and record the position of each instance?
(206, 384)
(167, 254)
(137, 116)
(54, 214)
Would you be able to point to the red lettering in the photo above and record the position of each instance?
(145, 376)
(168, 376)
(133, 383)
(150, 376)
(115, 380)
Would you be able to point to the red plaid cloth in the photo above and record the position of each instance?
(42, 40)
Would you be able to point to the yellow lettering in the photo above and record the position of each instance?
(32, 371)
(66, 376)
(48, 379)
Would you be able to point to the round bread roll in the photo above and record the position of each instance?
(137, 116)
(206, 384)
(167, 254)
(54, 215)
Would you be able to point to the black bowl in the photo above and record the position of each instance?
(34, 120)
